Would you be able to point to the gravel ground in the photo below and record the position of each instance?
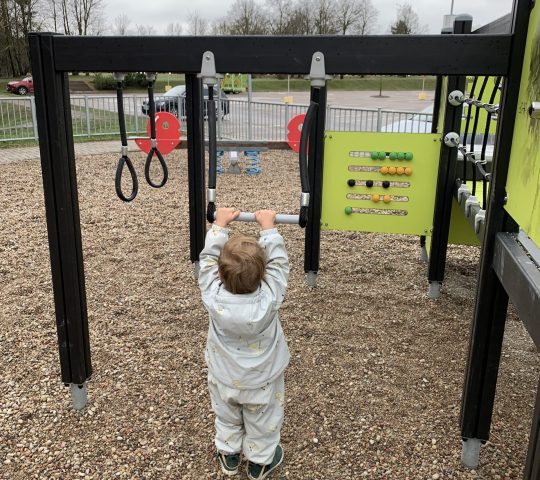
(373, 388)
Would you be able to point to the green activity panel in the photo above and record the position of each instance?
(380, 182)
(523, 183)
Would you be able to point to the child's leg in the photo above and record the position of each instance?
(263, 416)
(229, 422)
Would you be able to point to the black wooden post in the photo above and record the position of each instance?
(312, 244)
(446, 178)
(487, 328)
(195, 139)
(62, 211)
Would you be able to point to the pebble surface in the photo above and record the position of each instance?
(374, 384)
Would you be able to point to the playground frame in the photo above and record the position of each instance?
(502, 260)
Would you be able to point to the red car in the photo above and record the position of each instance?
(22, 87)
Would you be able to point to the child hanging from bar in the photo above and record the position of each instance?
(243, 282)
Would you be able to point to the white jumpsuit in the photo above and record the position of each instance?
(246, 351)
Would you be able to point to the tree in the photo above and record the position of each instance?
(245, 17)
(145, 30)
(74, 17)
(279, 15)
(121, 25)
(367, 18)
(407, 21)
(325, 21)
(173, 29)
(17, 19)
(197, 24)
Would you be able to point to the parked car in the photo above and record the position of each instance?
(22, 87)
(169, 102)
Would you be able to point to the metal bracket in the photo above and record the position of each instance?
(456, 98)
(119, 76)
(208, 69)
(534, 110)
(317, 73)
(463, 193)
(151, 76)
(304, 199)
(479, 220)
(451, 139)
(211, 195)
(471, 202)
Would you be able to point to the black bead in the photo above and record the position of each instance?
(386, 184)
(351, 182)
(369, 183)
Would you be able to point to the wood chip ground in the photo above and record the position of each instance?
(374, 384)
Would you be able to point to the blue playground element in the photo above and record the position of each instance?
(253, 162)
(219, 162)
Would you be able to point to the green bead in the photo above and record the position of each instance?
(374, 155)
(408, 156)
(382, 155)
(393, 155)
(348, 210)
(400, 156)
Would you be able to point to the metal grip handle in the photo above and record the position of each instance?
(280, 218)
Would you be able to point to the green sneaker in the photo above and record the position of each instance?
(258, 472)
(229, 463)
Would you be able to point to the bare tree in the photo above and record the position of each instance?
(145, 30)
(246, 17)
(173, 29)
(219, 27)
(121, 25)
(17, 19)
(407, 21)
(197, 24)
(325, 21)
(367, 18)
(347, 14)
(279, 15)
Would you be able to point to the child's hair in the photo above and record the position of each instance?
(242, 264)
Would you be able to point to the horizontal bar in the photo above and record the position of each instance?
(518, 270)
(280, 218)
(367, 54)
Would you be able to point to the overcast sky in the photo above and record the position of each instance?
(159, 13)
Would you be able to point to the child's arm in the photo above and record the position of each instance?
(216, 238)
(277, 262)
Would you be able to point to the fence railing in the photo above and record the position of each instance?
(96, 115)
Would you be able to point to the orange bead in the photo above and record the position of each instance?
(387, 198)
(383, 170)
(375, 198)
(392, 170)
(400, 170)
(408, 171)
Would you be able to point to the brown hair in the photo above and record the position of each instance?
(242, 264)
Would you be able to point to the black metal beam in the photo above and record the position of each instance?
(518, 270)
(446, 175)
(312, 245)
(195, 141)
(487, 329)
(62, 210)
(381, 54)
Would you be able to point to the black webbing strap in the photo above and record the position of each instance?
(466, 132)
(124, 159)
(153, 149)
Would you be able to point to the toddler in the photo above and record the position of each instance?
(243, 282)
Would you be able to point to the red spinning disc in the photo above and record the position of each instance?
(167, 134)
(295, 130)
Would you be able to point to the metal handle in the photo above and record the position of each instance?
(280, 218)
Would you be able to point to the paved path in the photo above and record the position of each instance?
(10, 155)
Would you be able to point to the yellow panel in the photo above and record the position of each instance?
(523, 184)
(411, 198)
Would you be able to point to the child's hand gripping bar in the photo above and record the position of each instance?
(280, 218)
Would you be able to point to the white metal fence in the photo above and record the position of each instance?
(96, 115)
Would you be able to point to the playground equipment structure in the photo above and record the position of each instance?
(508, 228)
